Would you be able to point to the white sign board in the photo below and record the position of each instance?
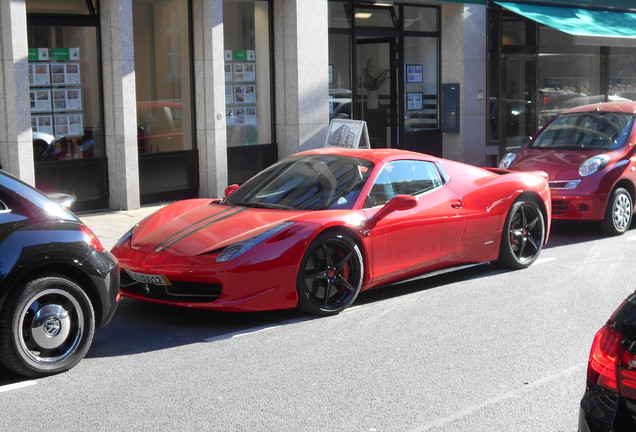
(348, 134)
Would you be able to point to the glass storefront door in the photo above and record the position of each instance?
(377, 96)
(515, 110)
(384, 69)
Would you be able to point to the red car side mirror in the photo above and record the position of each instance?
(230, 189)
(397, 203)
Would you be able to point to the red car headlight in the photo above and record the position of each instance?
(237, 249)
(593, 164)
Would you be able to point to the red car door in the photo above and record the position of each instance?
(427, 236)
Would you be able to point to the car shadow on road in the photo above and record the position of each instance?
(140, 327)
(565, 233)
(427, 283)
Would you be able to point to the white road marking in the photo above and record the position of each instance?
(544, 260)
(254, 330)
(16, 386)
(440, 423)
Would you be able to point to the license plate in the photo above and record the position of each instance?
(149, 279)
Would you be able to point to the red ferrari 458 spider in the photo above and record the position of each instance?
(316, 228)
(589, 155)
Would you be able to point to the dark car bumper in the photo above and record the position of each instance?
(605, 411)
(105, 277)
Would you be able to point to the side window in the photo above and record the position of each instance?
(408, 177)
(9, 203)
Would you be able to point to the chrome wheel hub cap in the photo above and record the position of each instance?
(622, 212)
(50, 326)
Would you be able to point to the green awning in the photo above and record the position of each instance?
(588, 26)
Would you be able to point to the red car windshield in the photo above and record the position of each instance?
(585, 131)
(312, 182)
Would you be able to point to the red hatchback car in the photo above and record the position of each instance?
(588, 154)
(315, 229)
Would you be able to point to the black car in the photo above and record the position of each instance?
(609, 402)
(57, 283)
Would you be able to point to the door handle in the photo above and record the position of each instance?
(457, 204)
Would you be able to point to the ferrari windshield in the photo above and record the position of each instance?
(586, 131)
(311, 182)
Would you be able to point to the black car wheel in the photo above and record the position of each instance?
(46, 326)
(330, 275)
(523, 235)
(618, 214)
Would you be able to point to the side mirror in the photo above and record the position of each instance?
(397, 203)
(230, 189)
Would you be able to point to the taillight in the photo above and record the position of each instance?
(627, 375)
(91, 238)
(601, 367)
(610, 365)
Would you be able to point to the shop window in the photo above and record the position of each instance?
(248, 82)
(622, 74)
(64, 92)
(376, 17)
(74, 7)
(420, 83)
(420, 19)
(340, 89)
(339, 15)
(163, 75)
(569, 75)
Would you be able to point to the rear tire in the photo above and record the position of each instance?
(523, 235)
(618, 214)
(46, 326)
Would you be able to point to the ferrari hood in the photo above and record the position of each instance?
(190, 228)
(558, 164)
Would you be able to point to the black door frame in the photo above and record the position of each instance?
(396, 69)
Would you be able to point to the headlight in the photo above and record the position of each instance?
(593, 164)
(237, 249)
(126, 236)
(507, 160)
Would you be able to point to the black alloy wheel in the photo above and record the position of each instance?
(330, 275)
(618, 214)
(46, 326)
(523, 235)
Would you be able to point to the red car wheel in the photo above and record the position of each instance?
(618, 215)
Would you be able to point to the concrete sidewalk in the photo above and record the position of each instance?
(109, 226)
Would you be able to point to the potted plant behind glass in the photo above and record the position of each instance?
(372, 80)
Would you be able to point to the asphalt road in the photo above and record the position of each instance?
(478, 350)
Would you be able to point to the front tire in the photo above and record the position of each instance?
(523, 235)
(330, 275)
(618, 214)
(46, 326)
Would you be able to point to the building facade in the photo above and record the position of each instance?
(549, 55)
(126, 102)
